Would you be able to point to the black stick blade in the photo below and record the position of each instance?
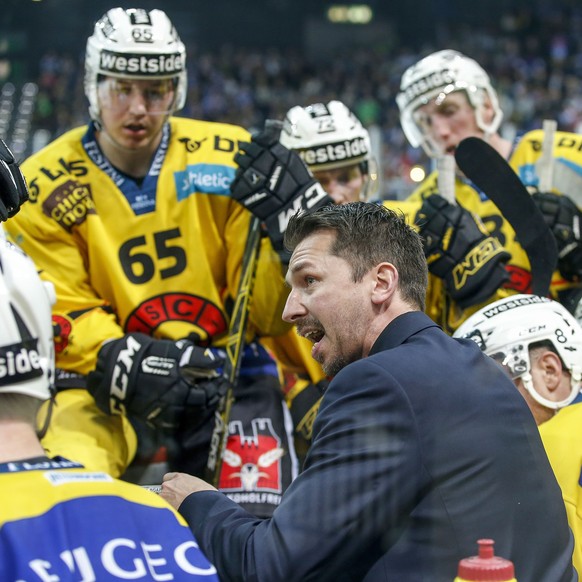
(490, 172)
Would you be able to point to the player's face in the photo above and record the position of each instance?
(447, 120)
(325, 304)
(134, 111)
(342, 184)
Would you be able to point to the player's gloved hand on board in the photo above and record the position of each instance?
(565, 221)
(274, 182)
(161, 382)
(13, 189)
(460, 251)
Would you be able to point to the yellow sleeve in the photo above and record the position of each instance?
(562, 438)
(566, 176)
(80, 432)
(44, 230)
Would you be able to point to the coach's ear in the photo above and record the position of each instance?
(384, 281)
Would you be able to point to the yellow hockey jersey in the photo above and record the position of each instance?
(161, 257)
(562, 438)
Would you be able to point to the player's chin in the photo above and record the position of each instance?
(136, 141)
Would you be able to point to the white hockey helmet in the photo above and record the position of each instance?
(330, 136)
(135, 43)
(505, 330)
(436, 76)
(26, 333)
(326, 136)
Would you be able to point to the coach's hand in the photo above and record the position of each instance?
(158, 381)
(177, 486)
(565, 220)
(460, 251)
(274, 182)
(13, 190)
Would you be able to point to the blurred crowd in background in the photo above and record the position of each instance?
(535, 64)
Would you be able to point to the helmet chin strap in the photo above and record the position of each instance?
(41, 432)
(551, 404)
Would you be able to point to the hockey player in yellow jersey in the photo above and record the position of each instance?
(132, 220)
(539, 344)
(445, 98)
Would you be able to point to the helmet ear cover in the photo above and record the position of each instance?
(508, 329)
(435, 77)
(134, 44)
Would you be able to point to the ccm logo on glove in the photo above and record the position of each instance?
(161, 382)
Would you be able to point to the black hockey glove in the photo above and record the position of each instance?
(13, 189)
(274, 182)
(161, 382)
(460, 251)
(565, 220)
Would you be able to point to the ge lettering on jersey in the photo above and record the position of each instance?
(98, 538)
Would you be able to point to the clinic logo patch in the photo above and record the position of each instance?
(204, 178)
(252, 463)
(69, 204)
(154, 311)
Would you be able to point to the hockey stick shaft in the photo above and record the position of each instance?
(491, 173)
(234, 350)
(545, 165)
(446, 178)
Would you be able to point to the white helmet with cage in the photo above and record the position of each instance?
(507, 328)
(26, 334)
(135, 43)
(435, 77)
(328, 136)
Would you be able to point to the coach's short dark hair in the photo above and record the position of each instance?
(368, 234)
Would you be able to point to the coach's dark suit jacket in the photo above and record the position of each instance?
(418, 451)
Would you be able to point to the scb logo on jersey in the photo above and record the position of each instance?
(204, 178)
(19, 362)
(182, 307)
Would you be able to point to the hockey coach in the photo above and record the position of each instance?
(421, 446)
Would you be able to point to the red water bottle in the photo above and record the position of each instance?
(486, 567)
